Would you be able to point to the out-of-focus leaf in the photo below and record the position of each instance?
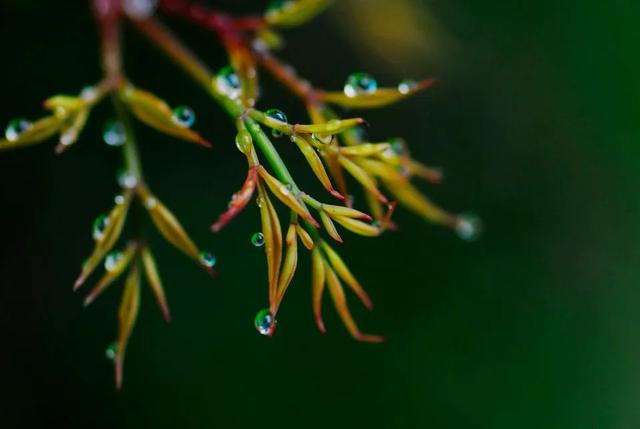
(341, 268)
(291, 13)
(127, 315)
(409, 196)
(335, 211)
(317, 286)
(366, 149)
(157, 114)
(361, 176)
(153, 277)
(168, 224)
(378, 98)
(359, 227)
(340, 302)
(243, 62)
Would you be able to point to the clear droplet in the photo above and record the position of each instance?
(259, 201)
(278, 115)
(114, 134)
(244, 141)
(265, 322)
(119, 199)
(257, 239)
(207, 259)
(127, 180)
(112, 259)
(139, 9)
(360, 83)
(15, 129)
(228, 83)
(406, 86)
(99, 226)
(183, 116)
(112, 351)
(89, 94)
(150, 202)
(468, 227)
(399, 146)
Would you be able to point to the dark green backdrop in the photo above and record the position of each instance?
(535, 326)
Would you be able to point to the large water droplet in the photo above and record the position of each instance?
(265, 322)
(112, 351)
(127, 180)
(468, 227)
(15, 129)
(99, 226)
(114, 134)
(406, 86)
(139, 9)
(208, 259)
(278, 115)
(112, 259)
(228, 83)
(257, 239)
(323, 139)
(360, 83)
(184, 116)
(244, 141)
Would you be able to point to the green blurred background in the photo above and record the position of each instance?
(535, 124)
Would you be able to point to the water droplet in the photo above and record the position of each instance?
(150, 202)
(139, 9)
(15, 129)
(89, 94)
(244, 141)
(407, 85)
(399, 146)
(259, 201)
(360, 83)
(228, 83)
(99, 226)
(127, 180)
(257, 239)
(208, 259)
(184, 116)
(119, 199)
(112, 259)
(468, 227)
(265, 322)
(278, 115)
(112, 351)
(324, 139)
(114, 134)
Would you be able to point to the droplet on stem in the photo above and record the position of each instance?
(208, 259)
(112, 259)
(360, 83)
(114, 134)
(15, 129)
(99, 226)
(257, 239)
(468, 227)
(278, 115)
(228, 83)
(265, 322)
(183, 116)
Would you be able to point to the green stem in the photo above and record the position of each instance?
(130, 147)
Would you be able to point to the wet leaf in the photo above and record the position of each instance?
(112, 275)
(378, 98)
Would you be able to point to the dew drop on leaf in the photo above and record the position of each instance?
(112, 351)
(406, 86)
(468, 227)
(243, 141)
(278, 115)
(264, 322)
(112, 259)
(360, 83)
(257, 239)
(127, 180)
(184, 116)
(228, 83)
(15, 129)
(99, 226)
(114, 134)
(208, 259)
